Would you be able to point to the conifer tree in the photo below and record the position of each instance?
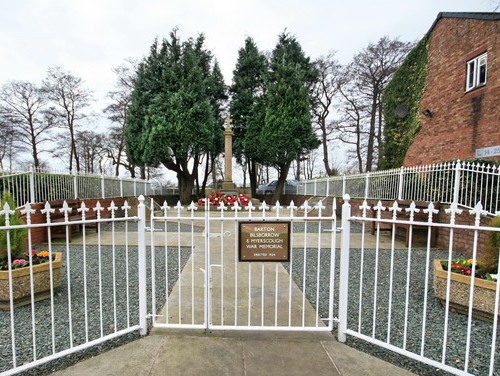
(246, 92)
(173, 117)
(286, 133)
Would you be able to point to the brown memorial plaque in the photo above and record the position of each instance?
(264, 241)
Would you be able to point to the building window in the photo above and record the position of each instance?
(476, 72)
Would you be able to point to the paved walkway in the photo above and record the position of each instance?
(194, 352)
(233, 354)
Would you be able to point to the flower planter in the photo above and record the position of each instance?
(21, 282)
(484, 293)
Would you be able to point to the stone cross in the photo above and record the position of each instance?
(228, 158)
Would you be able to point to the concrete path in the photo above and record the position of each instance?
(233, 354)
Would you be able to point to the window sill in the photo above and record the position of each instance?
(476, 90)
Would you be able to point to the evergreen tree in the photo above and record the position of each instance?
(286, 134)
(246, 91)
(173, 119)
(219, 97)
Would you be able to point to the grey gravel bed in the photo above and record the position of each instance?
(198, 226)
(457, 327)
(23, 315)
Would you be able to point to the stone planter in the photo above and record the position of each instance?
(484, 293)
(21, 282)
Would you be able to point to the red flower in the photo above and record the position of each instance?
(466, 271)
(216, 198)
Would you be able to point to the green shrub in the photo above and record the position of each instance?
(17, 236)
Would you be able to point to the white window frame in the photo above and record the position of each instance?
(474, 68)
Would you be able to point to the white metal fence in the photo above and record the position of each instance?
(40, 186)
(97, 293)
(219, 289)
(400, 299)
(373, 287)
(463, 183)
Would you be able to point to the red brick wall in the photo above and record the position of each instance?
(39, 234)
(463, 240)
(461, 122)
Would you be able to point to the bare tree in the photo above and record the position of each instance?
(352, 127)
(69, 100)
(23, 107)
(368, 74)
(310, 164)
(6, 140)
(92, 151)
(324, 92)
(117, 113)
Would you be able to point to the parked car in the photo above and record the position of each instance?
(289, 188)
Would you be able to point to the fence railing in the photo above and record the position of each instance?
(63, 298)
(41, 186)
(405, 300)
(463, 183)
(382, 288)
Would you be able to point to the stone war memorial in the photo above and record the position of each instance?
(228, 185)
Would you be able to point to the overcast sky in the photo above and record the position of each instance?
(90, 37)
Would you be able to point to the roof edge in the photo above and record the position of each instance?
(485, 16)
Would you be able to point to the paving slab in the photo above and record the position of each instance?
(234, 353)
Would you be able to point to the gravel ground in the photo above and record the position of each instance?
(171, 226)
(482, 332)
(22, 315)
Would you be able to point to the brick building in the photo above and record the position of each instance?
(461, 101)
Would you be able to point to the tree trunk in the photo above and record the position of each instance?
(358, 147)
(371, 134)
(186, 184)
(118, 162)
(379, 134)
(73, 153)
(244, 169)
(297, 171)
(36, 161)
(326, 162)
(252, 175)
(283, 173)
(71, 161)
(206, 175)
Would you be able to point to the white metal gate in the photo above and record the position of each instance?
(206, 286)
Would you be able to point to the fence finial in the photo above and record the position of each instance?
(364, 208)
(478, 211)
